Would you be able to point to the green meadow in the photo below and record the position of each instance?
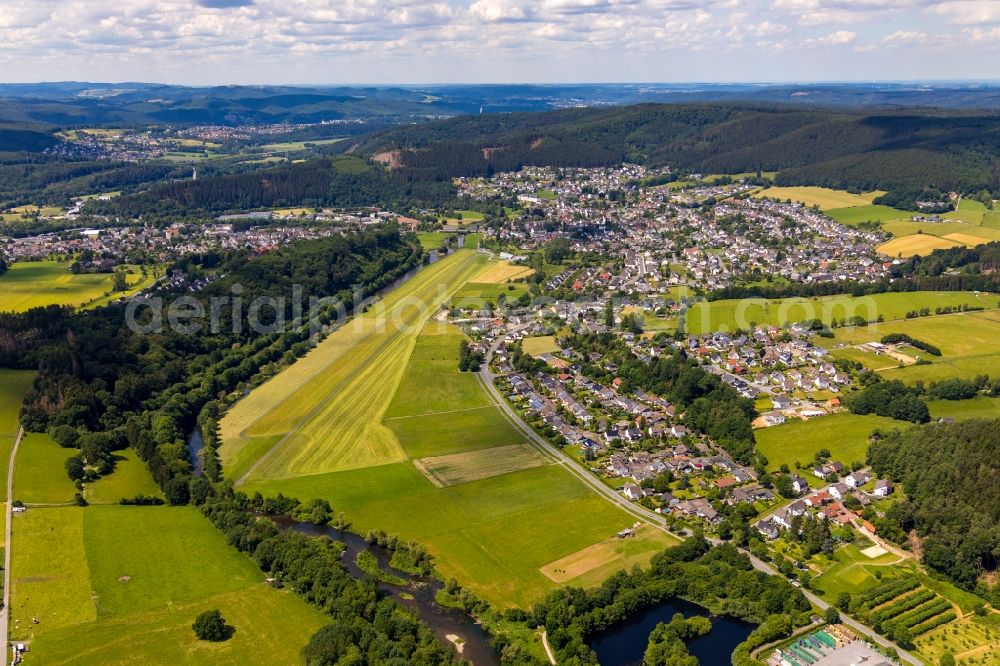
(730, 314)
(129, 479)
(13, 385)
(32, 284)
(113, 602)
(844, 435)
(40, 473)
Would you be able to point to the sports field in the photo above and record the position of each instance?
(967, 342)
(326, 409)
(823, 197)
(13, 385)
(844, 435)
(728, 315)
(33, 284)
(109, 601)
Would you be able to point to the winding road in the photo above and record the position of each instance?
(487, 377)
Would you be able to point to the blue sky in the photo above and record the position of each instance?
(404, 41)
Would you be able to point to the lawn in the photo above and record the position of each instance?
(116, 603)
(313, 404)
(40, 473)
(35, 284)
(730, 314)
(13, 385)
(851, 571)
(433, 240)
(823, 197)
(129, 479)
(844, 435)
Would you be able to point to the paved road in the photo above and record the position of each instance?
(5, 611)
(486, 377)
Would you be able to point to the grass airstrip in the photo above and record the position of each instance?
(32, 284)
(436, 460)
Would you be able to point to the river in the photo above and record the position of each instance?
(417, 595)
(624, 644)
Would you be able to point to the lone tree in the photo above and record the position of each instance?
(210, 626)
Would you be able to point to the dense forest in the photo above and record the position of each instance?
(710, 406)
(104, 384)
(855, 149)
(341, 181)
(949, 476)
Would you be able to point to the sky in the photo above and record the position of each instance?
(204, 42)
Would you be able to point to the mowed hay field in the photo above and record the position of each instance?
(502, 271)
(326, 409)
(592, 565)
(40, 472)
(967, 342)
(730, 314)
(87, 575)
(921, 244)
(823, 197)
(13, 385)
(34, 284)
(493, 534)
(455, 468)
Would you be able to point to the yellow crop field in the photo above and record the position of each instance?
(819, 196)
(967, 239)
(502, 271)
(324, 413)
(456, 468)
(908, 246)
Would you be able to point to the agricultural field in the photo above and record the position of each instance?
(730, 314)
(495, 533)
(115, 604)
(503, 271)
(313, 405)
(844, 435)
(922, 244)
(34, 284)
(40, 472)
(967, 343)
(13, 385)
(823, 197)
(980, 407)
(592, 565)
(855, 215)
(433, 240)
(456, 468)
(476, 294)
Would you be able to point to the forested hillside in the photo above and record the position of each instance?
(949, 475)
(340, 181)
(25, 138)
(861, 149)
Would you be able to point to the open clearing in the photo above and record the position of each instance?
(114, 603)
(844, 435)
(541, 344)
(456, 468)
(819, 196)
(593, 564)
(129, 479)
(502, 271)
(314, 404)
(730, 314)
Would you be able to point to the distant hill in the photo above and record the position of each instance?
(863, 149)
(15, 138)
